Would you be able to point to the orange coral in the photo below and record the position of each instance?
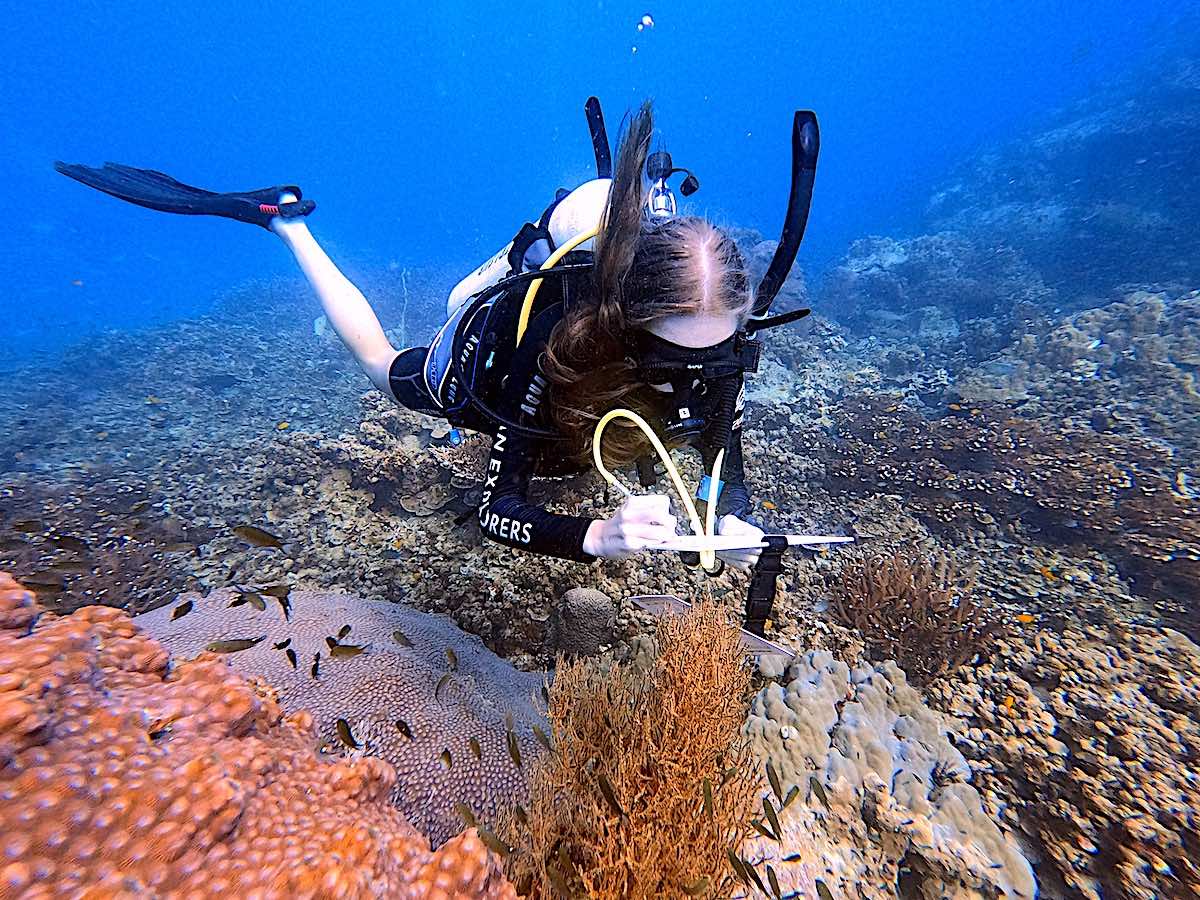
(125, 774)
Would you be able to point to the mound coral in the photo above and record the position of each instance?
(882, 796)
(125, 776)
(649, 786)
(422, 694)
(1089, 742)
(917, 611)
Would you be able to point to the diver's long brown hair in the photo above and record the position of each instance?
(645, 270)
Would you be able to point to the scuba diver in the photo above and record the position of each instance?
(611, 299)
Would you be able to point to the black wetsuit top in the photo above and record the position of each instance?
(505, 513)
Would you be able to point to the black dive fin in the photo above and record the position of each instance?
(806, 145)
(155, 190)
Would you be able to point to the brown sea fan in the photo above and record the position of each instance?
(918, 610)
(650, 782)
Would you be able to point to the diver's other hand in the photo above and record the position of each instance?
(740, 559)
(642, 520)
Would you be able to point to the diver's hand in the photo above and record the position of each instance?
(739, 559)
(642, 520)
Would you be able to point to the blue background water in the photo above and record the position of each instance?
(428, 133)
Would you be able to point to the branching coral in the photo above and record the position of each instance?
(122, 775)
(649, 785)
(916, 610)
(420, 693)
(981, 464)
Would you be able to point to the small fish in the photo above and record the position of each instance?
(401, 638)
(815, 787)
(181, 610)
(447, 759)
(284, 426)
(494, 843)
(346, 736)
(67, 542)
(283, 644)
(343, 631)
(278, 591)
(287, 608)
(520, 815)
(234, 646)
(453, 659)
(754, 875)
(441, 684)
(1048, 573)
(316, 667)
(545, 695)
(473, 743)
(345, 651)
(158, 729)
(140, 506)
(26, 526)
(466, 815)
(402, 727)
(773, 777)
(708, 798)
(514, 749)
(78, 282)
(291, 655)
(152, 400)
(697, 887)
(331, 641)
(738, 868)
(791, 795)
(774, 883)
(178, 547)
(254, 600)
(823, 891)
(257, 537)
(769, 812)
(762, 829)
(1009, 701)
(69, 567)
(1026, 618)
(543, 739)
(767, 504)
(610, 796)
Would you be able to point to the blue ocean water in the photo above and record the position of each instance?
(428, 132)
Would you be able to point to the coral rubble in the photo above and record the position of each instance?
(125, 775)
(884, 799)
(419, 693)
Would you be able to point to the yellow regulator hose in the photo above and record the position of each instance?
(536, 284)
(708, 558)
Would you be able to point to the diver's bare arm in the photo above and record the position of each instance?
(345, 306)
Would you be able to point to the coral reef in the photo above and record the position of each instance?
(1129, 367)
(420, 693)
(1104, 193)
(882, 796)
(123, 775)
(1089, 742)
(984, 466)
(649, 786)
(928, 291)
(920, 612)
(582, 622)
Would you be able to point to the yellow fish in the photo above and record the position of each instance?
(284, 426)
(767, 504)
(1025, 618)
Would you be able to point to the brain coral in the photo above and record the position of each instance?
(128, 776)
(880, 788)
(386, 693)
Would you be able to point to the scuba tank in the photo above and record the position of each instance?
(570, 214)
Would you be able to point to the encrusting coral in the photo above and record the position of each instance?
(918, 611)
(1089, 743)
(878, 787)
(650, 785)
(124, 775)
(420, 692)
